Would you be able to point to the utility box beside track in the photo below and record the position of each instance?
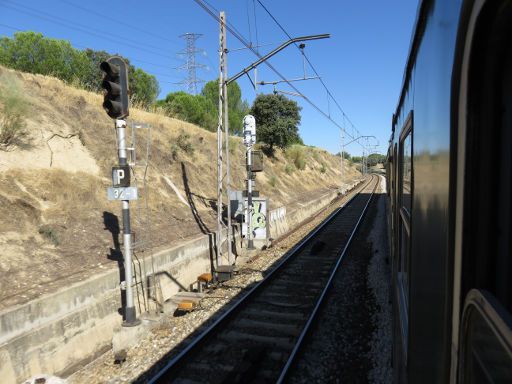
(257, 161)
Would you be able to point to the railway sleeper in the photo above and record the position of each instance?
(259, 326)
(304, 273)
(252, 365)
(292, 293)
(286, 343)
(297, 283)
(318, 259)
(285, 302)
(278, 315)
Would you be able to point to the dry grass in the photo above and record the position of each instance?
(13, 111)
(62, 207)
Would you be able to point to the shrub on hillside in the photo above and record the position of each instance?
(49, 232)
(297, 155)
(34, 53)
(277, 121)
(13, 110)
(202, 109)
(183, 143)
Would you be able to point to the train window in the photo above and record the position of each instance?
(404, 205)
(486, 342)
(406, 173)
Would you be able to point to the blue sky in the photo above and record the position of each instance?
(361, 64)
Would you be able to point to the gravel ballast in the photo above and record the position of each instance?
(172, 334)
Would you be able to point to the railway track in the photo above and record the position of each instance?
(258, 339)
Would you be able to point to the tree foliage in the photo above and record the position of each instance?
(13, 112)
(203, 109)
(277, 120)
(32, 52)
(195, 109)
(237, 108)
(373, 159)
(376, 158)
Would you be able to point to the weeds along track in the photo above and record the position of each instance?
(257, 339)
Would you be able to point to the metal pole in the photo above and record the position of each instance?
(219, 138)
(364, 161)
(130, 314)
(342, 150)
(273, 52)
(226, 133)
(256, 81)
(250, 241)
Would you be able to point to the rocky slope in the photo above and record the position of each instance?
(56, 224)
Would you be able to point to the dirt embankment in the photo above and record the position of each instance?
(56, 224)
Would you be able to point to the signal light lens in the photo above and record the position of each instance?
(110, 69)
(113, 108)
(115, 84)
(112, 88)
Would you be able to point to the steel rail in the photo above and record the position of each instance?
(340, 257)
(173, 364)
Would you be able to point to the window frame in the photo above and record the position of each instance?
(404, 219)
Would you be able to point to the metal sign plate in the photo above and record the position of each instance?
(259, 218)
(122, 193)
(121, 176)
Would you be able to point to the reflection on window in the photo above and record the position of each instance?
(404, 203)
(406, 173)
(404, 259)
(487, 357)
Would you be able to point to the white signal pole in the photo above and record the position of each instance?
(249, 141)
(223, 150)
(130, 313)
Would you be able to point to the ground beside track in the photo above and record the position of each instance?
(172, 331)
(351, 341)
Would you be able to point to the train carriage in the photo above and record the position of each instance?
(449, 186)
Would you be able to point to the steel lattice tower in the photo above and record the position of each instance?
(191, 65)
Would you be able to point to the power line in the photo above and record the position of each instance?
(63, 20)
(110, 19)
(230, 25)
(248, 20)
(131, 59)
(191, 65)
(103, 35)
(309, 62)
(255, 22)
(203, 4)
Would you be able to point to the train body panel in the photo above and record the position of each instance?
(427, 181)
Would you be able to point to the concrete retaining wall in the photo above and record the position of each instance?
(57, 332)
(60, 331)
(281, 219)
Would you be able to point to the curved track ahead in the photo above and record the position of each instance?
(257, 340)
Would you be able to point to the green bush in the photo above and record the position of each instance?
(174, 152)
(49, 233)
(272, 181)
(202, 109)
(288, 169)
(277, 119)
(296, 154)
(323, 169)
(233, 145)
(34, 53)
(183, 143)
(13, 110)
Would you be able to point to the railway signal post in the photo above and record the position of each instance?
(249, 141)
(115, 83)
(223, 149)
